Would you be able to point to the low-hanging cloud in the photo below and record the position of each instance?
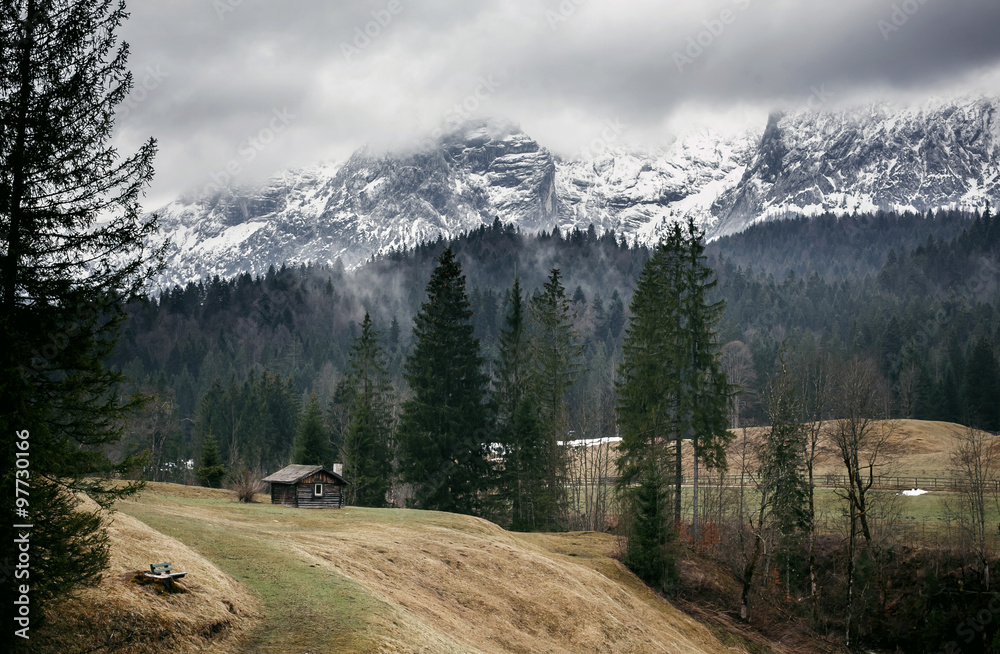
(386, 71)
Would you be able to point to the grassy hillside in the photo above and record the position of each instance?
(212, 613)
(267, 579)
(374, 580)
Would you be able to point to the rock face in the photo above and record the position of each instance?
(942, 154)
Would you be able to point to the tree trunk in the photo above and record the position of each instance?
(850, 576)
(21, 165)
(679, 472)
(694, 495)
(813, 595)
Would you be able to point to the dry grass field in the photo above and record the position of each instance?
(366, 580)
(923, 449)
(270, 579)
(920, 449)
(212, 613)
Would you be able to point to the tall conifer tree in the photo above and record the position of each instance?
(442, 431)
(705, 389)
(671, 386)
(521, 477)
(783, 461)
(312, 443)
(74, 252)
(368, 443)
(555, 357)
(211, 472)
(648, 415)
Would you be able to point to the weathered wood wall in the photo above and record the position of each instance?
(332, 498)
(283, 494)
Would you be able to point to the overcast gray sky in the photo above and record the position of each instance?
(261, 85)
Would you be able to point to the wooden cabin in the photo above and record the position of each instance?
(307, 487)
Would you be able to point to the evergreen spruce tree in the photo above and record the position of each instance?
(704, 388)
(312, 444)
(651, 538)
(368, 444)
(672, 386)
(211, 472)
(521, 475)
(74, 253)
(442, 432)
(782, 463)
(648, 416)
(555, 353)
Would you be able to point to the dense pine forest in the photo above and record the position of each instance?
(916, 293)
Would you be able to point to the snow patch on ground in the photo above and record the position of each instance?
(590, 441)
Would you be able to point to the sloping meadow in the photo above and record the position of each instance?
(390, 580)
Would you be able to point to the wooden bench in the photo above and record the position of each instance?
(164, 573)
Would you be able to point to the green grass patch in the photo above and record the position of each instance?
(307, 609)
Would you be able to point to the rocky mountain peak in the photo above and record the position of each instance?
(881, 156)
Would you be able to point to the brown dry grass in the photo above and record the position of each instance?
(924, 450)
(417, 581)
(126, 614)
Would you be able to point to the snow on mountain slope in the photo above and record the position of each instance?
(639, 193)
(943, 154)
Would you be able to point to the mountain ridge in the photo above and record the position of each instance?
(877, 157)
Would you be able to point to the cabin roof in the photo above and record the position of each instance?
(294, 473)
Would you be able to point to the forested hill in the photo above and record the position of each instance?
(299, 322)
(918, 294)
(834, 246)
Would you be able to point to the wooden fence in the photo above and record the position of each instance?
(880, 482)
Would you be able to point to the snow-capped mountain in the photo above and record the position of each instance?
(943, 154)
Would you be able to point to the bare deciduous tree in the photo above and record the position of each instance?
(751, 535)
(149, 428)
(975, 463)
(813, 372)
(591, 465)
(864, 439)
(246, 484)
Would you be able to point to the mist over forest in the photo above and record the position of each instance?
(915, 293)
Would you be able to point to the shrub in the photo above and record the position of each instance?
(246, 484)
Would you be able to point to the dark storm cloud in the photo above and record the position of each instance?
(212, 75)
